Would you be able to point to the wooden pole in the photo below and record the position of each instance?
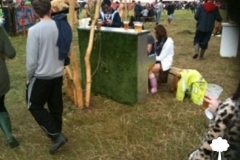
(125, 10)
(73, 85)
(88, 54)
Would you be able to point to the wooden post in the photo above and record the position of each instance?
(72, 82)
(125, 10)
(88, 53)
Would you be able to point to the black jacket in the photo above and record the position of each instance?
(206, 18)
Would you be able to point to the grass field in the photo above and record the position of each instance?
(161, 128)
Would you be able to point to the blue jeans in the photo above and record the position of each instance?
(158, 16)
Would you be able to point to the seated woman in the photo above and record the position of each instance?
(109, 16)
(164, 50)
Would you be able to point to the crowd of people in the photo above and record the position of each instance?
(45, 64)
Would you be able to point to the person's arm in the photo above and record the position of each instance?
(150, 42)
(8, 49)
(32, 54)
(197, 14)
(213, 103)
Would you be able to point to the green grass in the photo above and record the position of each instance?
(160, 128)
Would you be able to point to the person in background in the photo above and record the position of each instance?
(6, 51)
(205, 16)
(144, 13)
(81, 4)
(109, 16)
(45, 74)
(158, 8)
(6, 13)
(164, 50)
(117, 6)
(170, 12)
(137, 10)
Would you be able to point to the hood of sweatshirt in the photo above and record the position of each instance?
(209, 6)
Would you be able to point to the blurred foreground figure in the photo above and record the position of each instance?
(6, 50)
(226, 121)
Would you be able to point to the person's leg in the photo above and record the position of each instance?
(152, 78)
(157, 18)
(169, 19)
(204, 44)
(55, 103)
(5, 124)
(40, 91)
(197, 40)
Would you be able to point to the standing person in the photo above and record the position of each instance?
(6, 50)
(45, 74)
(6, 13)
(205, 16)
(137, 10)
(170, 12)
(164, 50)
(109, 16)
(158, 8)
(144, 13)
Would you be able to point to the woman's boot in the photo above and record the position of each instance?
(5, 125)
(202, 52)
(196, 48)
(153, 83)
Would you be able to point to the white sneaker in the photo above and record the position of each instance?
(219, 35)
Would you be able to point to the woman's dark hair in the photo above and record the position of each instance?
(160, 32)
(41, 7)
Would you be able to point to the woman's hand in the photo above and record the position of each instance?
(213, 103)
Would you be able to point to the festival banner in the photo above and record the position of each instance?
(24, 18)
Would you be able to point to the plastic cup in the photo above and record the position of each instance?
(125, 25)
(99, 23)
(138, 26)
(214, 91)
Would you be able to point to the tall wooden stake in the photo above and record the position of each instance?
(125, 10)
(88, 54)
(72, 84)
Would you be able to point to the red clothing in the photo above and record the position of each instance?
(209, 6)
